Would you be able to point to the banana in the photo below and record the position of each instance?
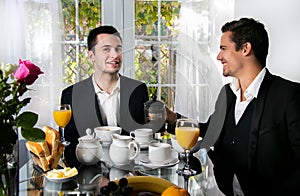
(148, 183)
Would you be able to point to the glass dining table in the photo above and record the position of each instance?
(91, 178)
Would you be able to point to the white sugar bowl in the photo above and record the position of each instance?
(89, 150)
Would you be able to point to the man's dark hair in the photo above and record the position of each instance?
(249, 30)
(92, 38)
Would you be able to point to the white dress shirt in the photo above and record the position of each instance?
(240, 107)
(250, 93)
(109, 104)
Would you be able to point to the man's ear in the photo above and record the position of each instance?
(247, 48)
(91, 55)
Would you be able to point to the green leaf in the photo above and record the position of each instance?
(33, 134)
(26, 119)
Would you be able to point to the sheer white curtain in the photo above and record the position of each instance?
(198, 76)
(32, 29)
(12, 42)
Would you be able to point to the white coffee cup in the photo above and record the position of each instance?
(159, 152)
(105, 133)
(142, 136)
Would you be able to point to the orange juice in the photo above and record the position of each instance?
(62, 117)
(187, 137)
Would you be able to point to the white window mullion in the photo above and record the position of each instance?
(77, 41)
(129, 38)
(120, 14)
(158, 55)
(112, 13)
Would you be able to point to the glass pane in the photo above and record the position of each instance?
(76, 64)
(149, 57)
(145, 64)
(89, 16)
(167, 63)
(148, 14)
(168, 95)
(70, 64)
(169, 18)
(155, 53)
(146, 17)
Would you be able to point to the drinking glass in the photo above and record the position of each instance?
(62, 115)
(187, 132)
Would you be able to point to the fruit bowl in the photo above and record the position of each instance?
(136, 185)
(148, 184)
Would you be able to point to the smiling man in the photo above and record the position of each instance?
(255, 128)
(106, 97)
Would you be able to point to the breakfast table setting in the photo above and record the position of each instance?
(144, 161)
(149, 161)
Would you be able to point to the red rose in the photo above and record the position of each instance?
(27, 72)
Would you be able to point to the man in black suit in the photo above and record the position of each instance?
(254, 132)
(106, 97)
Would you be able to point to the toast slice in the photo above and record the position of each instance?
(45, 148)
(38, 154)
(49, 159)
(57, 157)
(52, 139)
(35, 148)
(47, 154)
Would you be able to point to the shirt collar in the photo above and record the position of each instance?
(253, 88)
(98, 90)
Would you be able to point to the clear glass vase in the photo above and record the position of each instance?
(9, 172)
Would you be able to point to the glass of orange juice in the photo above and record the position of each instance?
(62, 114)
(187, 132)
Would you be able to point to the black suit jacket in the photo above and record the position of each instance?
(86, 113)
(274, 146)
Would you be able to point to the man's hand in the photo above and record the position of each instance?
(171, 116)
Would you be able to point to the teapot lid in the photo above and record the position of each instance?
(154, 104)
(90, 135)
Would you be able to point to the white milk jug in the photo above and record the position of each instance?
(123, 149)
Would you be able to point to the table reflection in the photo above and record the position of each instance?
(91, 177)
(53, 187)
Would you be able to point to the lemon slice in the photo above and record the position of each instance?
(60, 175)
(71, 172)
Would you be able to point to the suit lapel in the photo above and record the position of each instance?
(257, 115)
(86, 114)
(98, 110)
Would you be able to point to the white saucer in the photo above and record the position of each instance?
(168, 163)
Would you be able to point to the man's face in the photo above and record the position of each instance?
(229, 57)
(107, 56)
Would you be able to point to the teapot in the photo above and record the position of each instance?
(123, 149)
(89, 149)
(155, 112)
